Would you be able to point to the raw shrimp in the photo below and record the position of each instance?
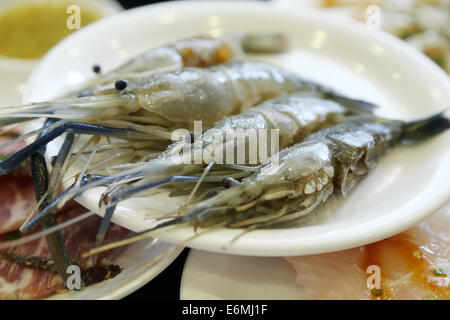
(333, 159)
(148, 108)
(168, 100)
(192, 52)
(294, 116)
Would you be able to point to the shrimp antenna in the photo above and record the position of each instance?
(76, 127)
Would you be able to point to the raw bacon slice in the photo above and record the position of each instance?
(414, 265)
(17, 282)
(17, 200)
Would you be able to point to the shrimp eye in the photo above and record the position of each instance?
(96, 68)
(120, 84)
(229, 182)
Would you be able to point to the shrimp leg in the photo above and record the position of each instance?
(58, 202)
(54, 240)
(76, 127)
(90, 179)
(127, 193)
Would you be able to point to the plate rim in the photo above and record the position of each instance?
(136, 283)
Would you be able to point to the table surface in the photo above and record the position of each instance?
(166, 286)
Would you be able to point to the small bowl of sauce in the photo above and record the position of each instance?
(29, 28)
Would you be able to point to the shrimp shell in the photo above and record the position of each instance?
(306, 174)
(193, 52)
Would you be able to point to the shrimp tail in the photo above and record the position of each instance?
(427, 127)
(356, 105)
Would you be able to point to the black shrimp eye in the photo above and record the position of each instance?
(96, 68)
(229, 182)
(121, 84)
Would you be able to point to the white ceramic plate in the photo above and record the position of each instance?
(408, 184)
(213, 276)
(141, 262)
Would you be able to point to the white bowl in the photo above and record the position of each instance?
(409, 183)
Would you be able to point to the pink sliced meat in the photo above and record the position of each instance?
(17, 200)
(17, 282)
(11, 148)
(413, 265)
(24, 168)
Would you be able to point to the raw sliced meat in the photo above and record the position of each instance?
(17, 200)
(17, 282)
(24, 168)
(413, 265)
(11, 148)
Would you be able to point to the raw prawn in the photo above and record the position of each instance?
(150, 107)
(331, 160)
(294, 116)
(193, 52)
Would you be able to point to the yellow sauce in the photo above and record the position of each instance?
(29, 30)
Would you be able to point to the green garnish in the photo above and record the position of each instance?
(13, 236)
(3, 156)
(440, 272)
(377, 292)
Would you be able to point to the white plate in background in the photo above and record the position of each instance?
(213, 276)
(409, 183)
(140, 262)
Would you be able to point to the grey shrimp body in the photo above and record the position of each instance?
(176, 99)
(332, 160)
(192, 52)
(211, 94)
(295, 116)
(150, 108)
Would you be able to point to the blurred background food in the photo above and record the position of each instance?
(425, 24)
(28, 29)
